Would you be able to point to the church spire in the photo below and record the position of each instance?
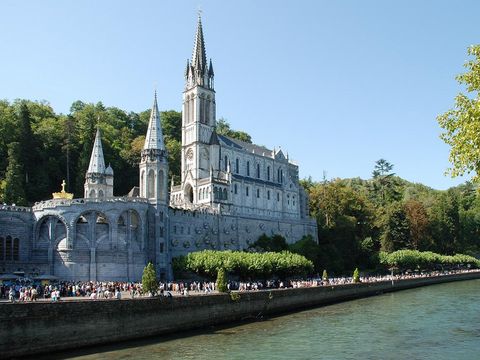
(199, 57)
(154, 139)
(97, 163)
(199, 71)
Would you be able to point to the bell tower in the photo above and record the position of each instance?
(198, 115)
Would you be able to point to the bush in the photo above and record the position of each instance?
(222, 280)
(246, 265)
(412, 259)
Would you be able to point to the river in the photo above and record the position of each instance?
(433, 322)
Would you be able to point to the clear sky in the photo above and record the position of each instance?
(337, 84)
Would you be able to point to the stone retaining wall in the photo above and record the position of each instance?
(30, 328)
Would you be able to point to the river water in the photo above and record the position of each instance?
(433, 322)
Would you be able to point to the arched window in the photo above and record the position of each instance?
(8, 248)
(16, 249)
(248, 168)
(151, 184)
(191, 112)
(237, 166)
(207, 111)
(268, 173)
(246, 191)
(161, 180)
(92, 193)
(268, 195)
(258, 171)
(100, 194)
(225, 197)
(258, 193)
(226, 163)
(235, 189)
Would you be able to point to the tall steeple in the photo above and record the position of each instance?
(199, 72)
(98, 179)
(97, 163)
(154, 138)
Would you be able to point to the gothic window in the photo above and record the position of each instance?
(246, 191)
(225, 197)
(207, 111)
(226, 163)
(237, 166)
(16, 249)
(151, 184)
(268, 173)
(278, 196)
(258, 171)
(281, 176)
(8, 248)
(161, 180)
(258, 193)
(248, 168)
(100, 194)
(191, 111)
(268, 195)
(215, 193)
(92, 193)
(200, 195)
(235, 189)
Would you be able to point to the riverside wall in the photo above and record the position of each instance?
(30, 328)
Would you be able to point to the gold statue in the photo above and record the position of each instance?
(62, 194)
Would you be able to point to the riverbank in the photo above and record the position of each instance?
(30, 328)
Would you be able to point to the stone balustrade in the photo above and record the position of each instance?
(47, 204)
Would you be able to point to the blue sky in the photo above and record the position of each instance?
(337, 84)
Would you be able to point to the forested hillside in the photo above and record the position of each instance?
(358, 218)
(39, 148)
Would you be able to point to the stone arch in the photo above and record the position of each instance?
(92, 225)
(129, 230)
(51, 225)
(100, 194)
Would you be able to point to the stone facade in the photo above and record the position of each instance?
(230, 193)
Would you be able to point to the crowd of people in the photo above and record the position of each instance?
(23, 291)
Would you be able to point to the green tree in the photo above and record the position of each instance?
(13, 192)
(221, 283)
(462, 123)
(324, 275)
(223, 128)
(149, 279)
(276, 243)
(356, 276)
(384, 183)
(396, 233)
(309, 248)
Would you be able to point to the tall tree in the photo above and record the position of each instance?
(13, 192)
(462, 123)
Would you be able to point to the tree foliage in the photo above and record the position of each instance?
(149, 279)
(462, 123)
(53, 147)
(223, 128)
(413, 259)
(243, 264)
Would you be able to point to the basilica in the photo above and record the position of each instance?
(231, 192)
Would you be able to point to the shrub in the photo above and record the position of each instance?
(356, 276)
(222, 280)
(149, 279)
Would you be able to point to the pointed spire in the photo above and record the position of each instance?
(210, 69)
(199, 57)
(154, 139)
(97, 163)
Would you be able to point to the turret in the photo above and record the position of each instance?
(98, 179)
(154, 163)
